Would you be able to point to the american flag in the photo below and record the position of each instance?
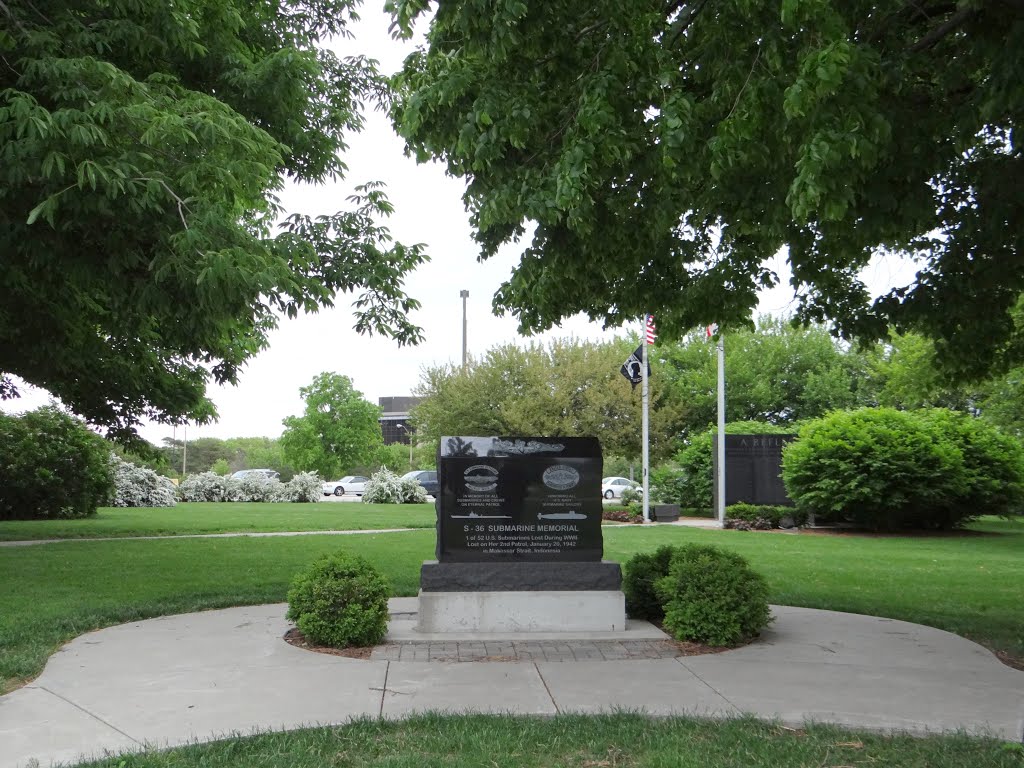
(712, 329)
(649, 328)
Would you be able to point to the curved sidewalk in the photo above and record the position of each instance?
(203, 675)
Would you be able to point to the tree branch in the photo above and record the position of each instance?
(679, 30)
(745, 83)
(7, 11)
(943, 29)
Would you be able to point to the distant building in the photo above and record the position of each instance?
(394, 418)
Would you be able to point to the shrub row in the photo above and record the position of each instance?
(700, 593)
(762, 517)
(207, 486)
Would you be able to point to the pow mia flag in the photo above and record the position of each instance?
(632, 369)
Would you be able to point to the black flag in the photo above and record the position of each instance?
(632, 369)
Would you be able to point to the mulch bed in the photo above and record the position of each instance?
(295, 637)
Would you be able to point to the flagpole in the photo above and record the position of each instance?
(646, 423)
(721, 429)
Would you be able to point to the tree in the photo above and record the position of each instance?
(338, 429)
(141, 148)
(777, 374)
(655, 154)
(911, 378)
(567, 388)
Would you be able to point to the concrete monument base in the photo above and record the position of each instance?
(522, 611)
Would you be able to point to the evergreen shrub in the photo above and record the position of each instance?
(340, 601)
(712, 596)
(642, 571)
(52, 466)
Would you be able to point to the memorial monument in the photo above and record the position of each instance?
(519, 540)
(753, 469)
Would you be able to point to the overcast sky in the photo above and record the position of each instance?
(429, 210)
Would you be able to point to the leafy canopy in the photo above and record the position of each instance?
(569, 387)
(337, 431)
(656, 153)
(141, 147)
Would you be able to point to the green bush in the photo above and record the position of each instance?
(711, 596)
(631, 496)
(642, 571)
(52, 466)
(692, 484)
(993, 465)
(753, 513)
(668, 484)
(340, 601)
(886, 469)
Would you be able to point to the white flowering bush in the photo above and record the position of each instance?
(305, 487)
(385, 487)
(206, 486)
(136, 486)
(252, 488)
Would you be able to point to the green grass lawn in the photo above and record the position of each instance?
(971, 585)
(572, 741)
(225, 517)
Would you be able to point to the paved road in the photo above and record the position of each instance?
(197, 676)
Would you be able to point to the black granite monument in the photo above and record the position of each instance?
(753, 469)
(519, 513)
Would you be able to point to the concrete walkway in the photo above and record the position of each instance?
(204, 675)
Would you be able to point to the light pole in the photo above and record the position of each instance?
(464, 295)
(409, 434)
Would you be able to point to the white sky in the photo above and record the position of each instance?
(429, 210)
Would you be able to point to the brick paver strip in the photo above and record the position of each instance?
(531, 650)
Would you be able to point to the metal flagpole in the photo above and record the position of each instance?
(646, 423)
(721, 429)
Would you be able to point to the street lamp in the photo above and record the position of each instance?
(409, 434)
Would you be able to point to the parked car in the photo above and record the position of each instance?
(425, 477)
(267, 474)
(612, 487)
(347, 484)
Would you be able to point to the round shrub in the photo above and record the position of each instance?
(136, 486)
(52, 466)
(341, 600)
(305, 487)
(642, 571)
(385, 487)
(886, 469)
(993, 465)
(711, 596)
(206, 486)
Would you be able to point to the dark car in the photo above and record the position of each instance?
(425, 477)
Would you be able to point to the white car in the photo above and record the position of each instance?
(347, 484)
(612, 487)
